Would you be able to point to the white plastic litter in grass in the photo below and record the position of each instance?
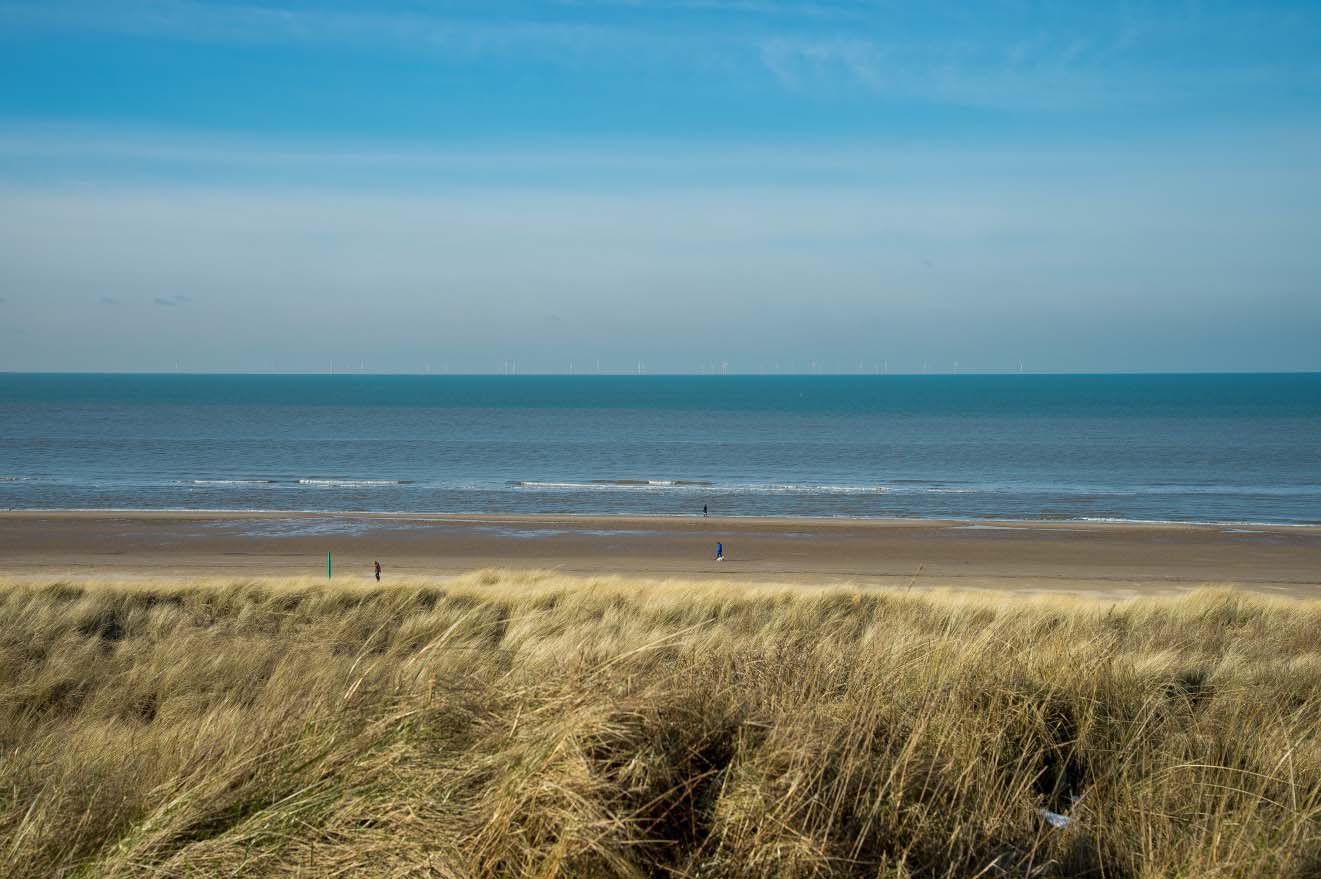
(1055, 819)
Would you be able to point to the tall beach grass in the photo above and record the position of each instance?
(527, 724)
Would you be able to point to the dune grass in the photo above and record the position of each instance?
(522, 724)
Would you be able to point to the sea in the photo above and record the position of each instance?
(1172, 448)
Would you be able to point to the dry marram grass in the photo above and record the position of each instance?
(514, 724)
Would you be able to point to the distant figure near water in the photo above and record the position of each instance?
(703, 511)
(378, 571)
(720, 552)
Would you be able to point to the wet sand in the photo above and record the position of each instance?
(1112, 559)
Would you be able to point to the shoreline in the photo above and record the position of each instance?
(423, 515)
(1117, 559)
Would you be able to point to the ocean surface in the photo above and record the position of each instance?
(1205, 448)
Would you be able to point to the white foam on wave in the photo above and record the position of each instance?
(798, 488)
(233, 482)
(1172, 490)
(808, 488)
(1222, 523)
(352, 483)
(734, 487)
(981, 527)
(619, 485)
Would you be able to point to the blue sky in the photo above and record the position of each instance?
(272, 185)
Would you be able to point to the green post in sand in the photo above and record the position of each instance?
(327, 566)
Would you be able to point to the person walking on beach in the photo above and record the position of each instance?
(720, 552)
(703, 511)
(378, 571)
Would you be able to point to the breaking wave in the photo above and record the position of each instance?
(734, 488)
(353, 483)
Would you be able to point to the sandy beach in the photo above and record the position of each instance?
(1104, 558)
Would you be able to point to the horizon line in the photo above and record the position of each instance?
(631, 374)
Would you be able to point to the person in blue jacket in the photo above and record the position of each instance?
(720, 552)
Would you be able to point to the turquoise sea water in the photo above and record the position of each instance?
(1224, 448)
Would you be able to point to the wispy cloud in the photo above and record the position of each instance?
(105, 146)
(759, 8)
(86, 154)
(980, 55)
(171, 301)
(799, 63)
(257, 24)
